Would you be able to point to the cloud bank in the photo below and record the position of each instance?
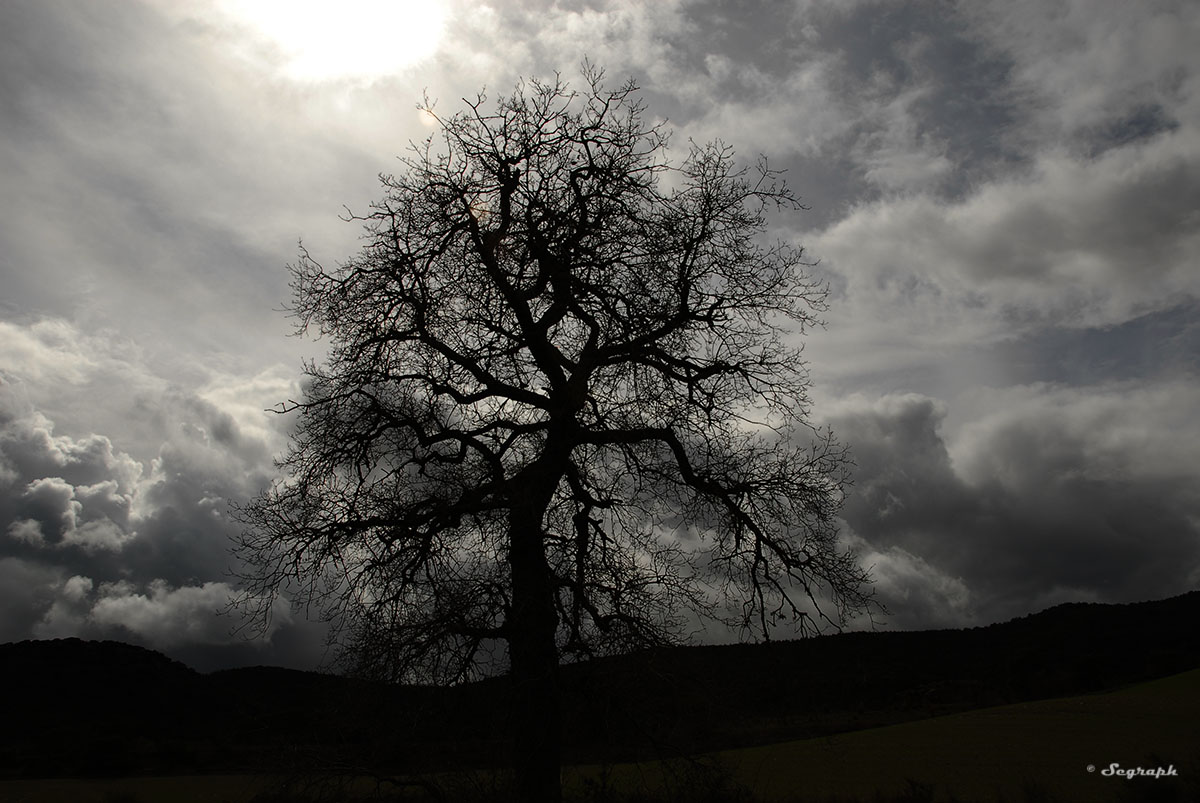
(98, 543)
(1056, 494)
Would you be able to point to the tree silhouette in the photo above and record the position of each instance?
(563, 411)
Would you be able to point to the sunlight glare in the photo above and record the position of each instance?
(427, 118)
(356, 39)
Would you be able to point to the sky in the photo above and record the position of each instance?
(1004, 198)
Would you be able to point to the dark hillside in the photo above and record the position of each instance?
(87, 708)
(93, 707)
(687, 699)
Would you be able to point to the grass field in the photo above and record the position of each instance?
(172, 789)
(1036, 752)
(1030, 751)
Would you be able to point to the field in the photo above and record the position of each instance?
(1038, 751)
(176, 789)
(1030, 751)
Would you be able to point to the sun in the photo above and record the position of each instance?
(323, 40)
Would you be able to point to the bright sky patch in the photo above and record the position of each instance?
(349, 39)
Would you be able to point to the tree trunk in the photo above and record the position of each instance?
(536, 721)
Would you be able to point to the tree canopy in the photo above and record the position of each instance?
(564, 409)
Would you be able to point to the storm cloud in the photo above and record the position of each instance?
(102, 545)
(1055, 494)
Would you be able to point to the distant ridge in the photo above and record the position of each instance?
(86, 708)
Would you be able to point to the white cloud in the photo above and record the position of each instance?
(895, 154)
(111, 388)
(66, 615)
(915, 593)
(1078, 243)
(800, 113)
(54, 499)
(167, 616)
(1081, 63)
(28, 531)
(53, 504)
(249, 400)
(157, 614)
(47, 351)
(629, 36)
(96, 535)
(1109, 433)
(77, 588)
(153, 537)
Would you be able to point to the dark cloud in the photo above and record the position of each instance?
(1159, 345)
(1062, 496)
(101, 546)
(1137, 124)
(59, 494)
(939, 91)
(27, 590)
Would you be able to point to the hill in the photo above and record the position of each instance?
(689, 699)
(88, 708)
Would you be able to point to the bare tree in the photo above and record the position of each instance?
(563, 410)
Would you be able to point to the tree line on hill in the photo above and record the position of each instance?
(78, 708)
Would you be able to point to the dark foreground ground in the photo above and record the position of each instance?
(1059, 750)
(800, 720)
